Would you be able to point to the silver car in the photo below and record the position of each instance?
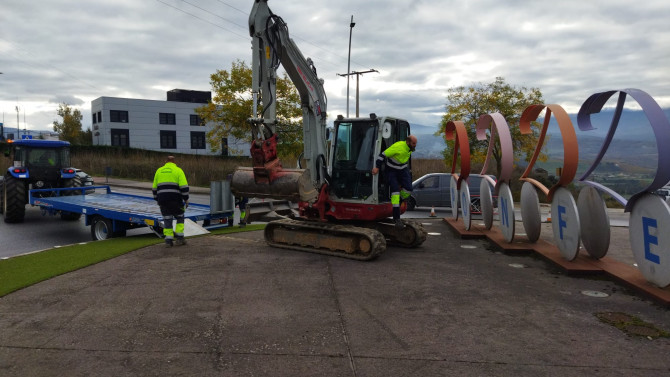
(432, 190)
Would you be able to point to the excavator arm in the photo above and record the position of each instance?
(272, 47)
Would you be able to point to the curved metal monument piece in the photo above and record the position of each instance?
(497, 123)
(459, 185)
(565, 221)
(649, 224)
(587, 220)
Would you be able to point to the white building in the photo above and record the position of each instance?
(166, 126)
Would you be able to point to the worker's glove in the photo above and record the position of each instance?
(186, 204)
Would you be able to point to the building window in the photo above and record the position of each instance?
(99, 116)
(120, 137)
(168, 139)
(166, 118)
(198, 140)
(224, 146)
(94, 119)
(118, 116)
(196, 121)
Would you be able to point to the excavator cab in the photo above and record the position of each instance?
(356, 144)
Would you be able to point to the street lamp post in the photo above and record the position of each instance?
(351, 29)
(2, 124)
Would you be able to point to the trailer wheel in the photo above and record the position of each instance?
(14, 200)
(101, 228)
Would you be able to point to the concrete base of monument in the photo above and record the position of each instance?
(583, 264)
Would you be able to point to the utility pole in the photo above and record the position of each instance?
(351, 29)
(357, 80)
(2, 125)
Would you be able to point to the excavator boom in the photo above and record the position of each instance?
(342, 206)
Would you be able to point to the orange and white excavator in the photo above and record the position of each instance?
(343, 209)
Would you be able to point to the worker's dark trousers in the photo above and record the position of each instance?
(172, 211)
(400, 183)
(242, 203)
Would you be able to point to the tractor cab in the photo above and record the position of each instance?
(37, 164)
(41, 163)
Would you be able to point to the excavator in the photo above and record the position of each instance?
(342, 208)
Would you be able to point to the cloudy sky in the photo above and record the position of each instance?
(55, 51)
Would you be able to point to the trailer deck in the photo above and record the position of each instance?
(110, 214)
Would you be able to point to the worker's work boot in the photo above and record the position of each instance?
(180, 241)
(399, 224)
(168, 242)
(242, 223)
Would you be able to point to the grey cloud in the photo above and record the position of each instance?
(67, 99)
(83, 50)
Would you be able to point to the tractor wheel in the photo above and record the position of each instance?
(74, 182)
(14, 200)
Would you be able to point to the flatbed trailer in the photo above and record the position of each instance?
(111, 214)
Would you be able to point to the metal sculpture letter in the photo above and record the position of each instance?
(649, 224)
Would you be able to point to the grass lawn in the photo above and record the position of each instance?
(25, 270)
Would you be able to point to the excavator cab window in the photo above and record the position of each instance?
(353, 159)
(403, 132)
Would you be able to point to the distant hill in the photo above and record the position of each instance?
(429, 145)
(633, 141)
(13, 133)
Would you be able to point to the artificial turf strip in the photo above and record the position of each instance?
(25, 270)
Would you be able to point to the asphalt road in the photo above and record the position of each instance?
(230, 305)
(40, 232)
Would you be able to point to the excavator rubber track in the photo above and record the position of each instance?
(411, 236)
(341, 240)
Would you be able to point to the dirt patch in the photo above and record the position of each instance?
(632, 325)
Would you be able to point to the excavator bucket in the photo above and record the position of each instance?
(270, 210)
(290, 184)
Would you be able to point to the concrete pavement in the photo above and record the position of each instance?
(230, 305)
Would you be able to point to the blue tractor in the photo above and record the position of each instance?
(37, 164)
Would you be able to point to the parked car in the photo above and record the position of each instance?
(433, 190)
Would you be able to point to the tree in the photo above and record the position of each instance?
(70, 128)
(467, 104)
(87, 137)
(231, 106)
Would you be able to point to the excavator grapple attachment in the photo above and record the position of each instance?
(290, 184)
